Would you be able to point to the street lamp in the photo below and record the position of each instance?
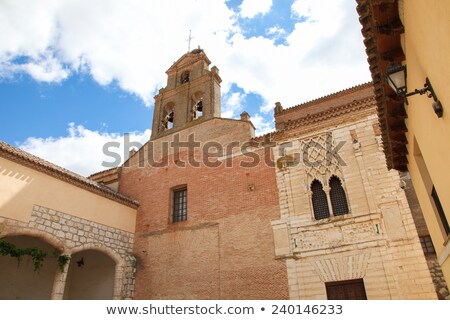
(396, 78)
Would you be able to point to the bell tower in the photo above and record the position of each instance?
(192, 94)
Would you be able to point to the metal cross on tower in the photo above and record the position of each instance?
(189, 41)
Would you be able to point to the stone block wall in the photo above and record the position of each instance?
(376, 241)
(70, 234)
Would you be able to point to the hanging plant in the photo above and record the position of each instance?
(37, 255)
(61, 259)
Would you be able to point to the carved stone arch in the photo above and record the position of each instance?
(24, 287)
(334, 171)
(315, 176)
(44, 236)
(99, 247)
(119, 267)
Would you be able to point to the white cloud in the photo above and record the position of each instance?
(134, 42)
(232, 104)
(262, 125)
(275, 30)
(321, 55)
(251, 8)
(131, 42)
(81, 151)
(45, 69)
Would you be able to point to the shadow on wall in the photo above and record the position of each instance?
(19, 281)
(90, 276)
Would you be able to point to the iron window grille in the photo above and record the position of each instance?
(319, 201)
(337, 196)
(179, 205)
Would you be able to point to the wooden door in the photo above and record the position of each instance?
(346, 290)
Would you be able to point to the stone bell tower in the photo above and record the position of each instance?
(192, 94)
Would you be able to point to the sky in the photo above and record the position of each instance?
(76, 74)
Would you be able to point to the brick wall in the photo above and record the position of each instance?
(323, 104)
(225, 249)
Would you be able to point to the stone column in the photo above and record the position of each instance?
(118, 282)
(59, 283)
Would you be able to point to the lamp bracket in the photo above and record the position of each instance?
(427, 89)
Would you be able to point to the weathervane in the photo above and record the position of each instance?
(189, 41)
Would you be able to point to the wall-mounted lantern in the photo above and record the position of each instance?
(396, 78)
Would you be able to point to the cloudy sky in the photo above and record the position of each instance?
(75, 74)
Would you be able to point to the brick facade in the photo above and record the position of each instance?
(251, 231)
(225, 248)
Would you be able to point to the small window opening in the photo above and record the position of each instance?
(197, 109)
(338, 197)
(184, 77)
(179, 212)
(319, 201)
(167, 121)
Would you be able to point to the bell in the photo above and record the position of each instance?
(170, 117)
(200, 105)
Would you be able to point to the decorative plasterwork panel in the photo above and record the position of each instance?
(318, 156)
(308, 240)
(342, 268)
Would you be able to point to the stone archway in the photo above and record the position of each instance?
(19, 280)
(91, 276)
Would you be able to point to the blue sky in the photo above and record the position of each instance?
(76, 74)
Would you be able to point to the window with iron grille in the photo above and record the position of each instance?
(346, 290)
(440, 210)
(337, 197)
(319, 201)
(427, 244)
(179, 205)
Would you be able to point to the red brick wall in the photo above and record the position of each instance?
(224, 250)
(323, 104)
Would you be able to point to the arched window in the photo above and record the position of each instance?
(184, 77)
(168, 116)
(337, 197)
(197, 105)
(319, 201)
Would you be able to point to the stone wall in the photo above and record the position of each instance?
(422, 230)
(376, 241)
(438, 277)
(70, 234)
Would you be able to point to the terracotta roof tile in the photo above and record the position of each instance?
(17, 155)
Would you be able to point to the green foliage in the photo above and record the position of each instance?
(62, 260)
(36, 254)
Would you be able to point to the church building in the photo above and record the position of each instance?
(309, 211)
(207, 210)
